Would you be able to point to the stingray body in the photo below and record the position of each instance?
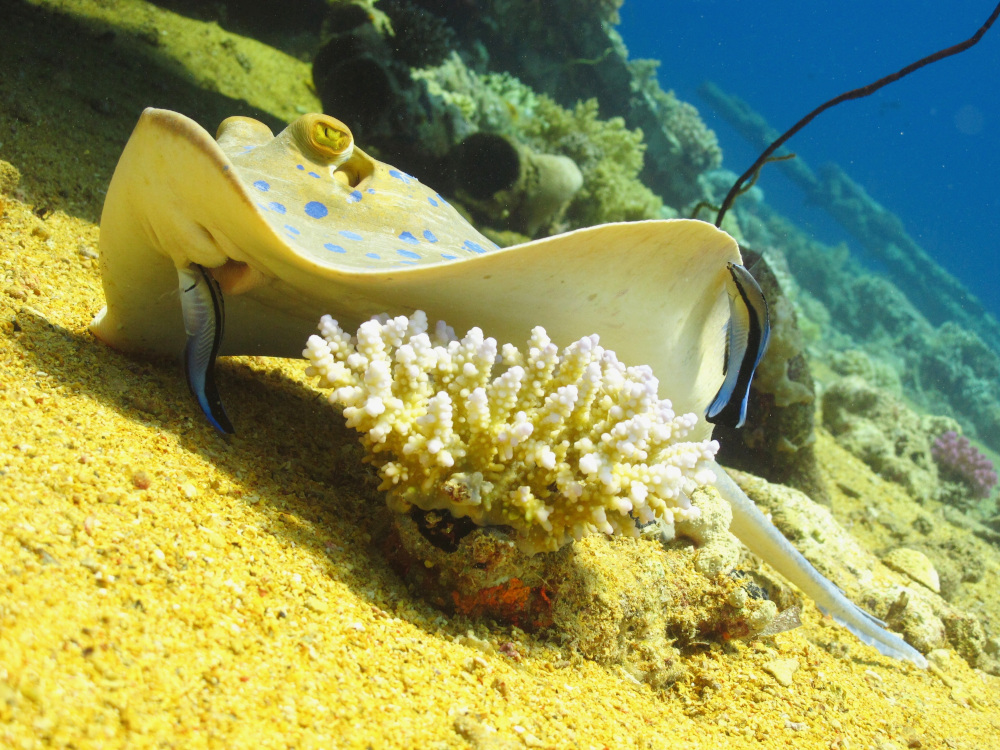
(302, 224)
(292, 229)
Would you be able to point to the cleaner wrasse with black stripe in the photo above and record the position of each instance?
(204, 322)
(748, 332)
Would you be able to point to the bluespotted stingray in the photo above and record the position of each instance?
(274, 231)
(305, 223)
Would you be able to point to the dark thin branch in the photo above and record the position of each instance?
(705, 204)
(854, 94)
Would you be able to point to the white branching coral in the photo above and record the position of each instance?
(555, 445)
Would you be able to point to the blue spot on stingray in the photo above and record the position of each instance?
(431, 201)
(429, 236)
(248, 149)
(349, 234)
(275, 206)
(261, 185)
(299, 166)
(470, 245)
(407, 263)
(316, 210)
(373, 256)
(400, 176)
(448, 257)
(354, 197)
(291, 230)
(334, 248)
(409, 238)
(313, 174)
(370, 191)
(409, 254)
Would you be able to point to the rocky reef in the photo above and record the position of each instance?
(639, 606)
(499, 124)
(884, 433)
(947, 369)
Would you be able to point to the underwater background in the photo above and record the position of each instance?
(161, 587)
(926, 147)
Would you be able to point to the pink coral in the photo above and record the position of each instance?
(959, 459)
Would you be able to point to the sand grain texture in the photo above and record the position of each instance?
(161, 588)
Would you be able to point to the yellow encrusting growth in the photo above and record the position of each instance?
(556, 445)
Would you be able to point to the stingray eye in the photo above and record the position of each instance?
(324, 138)
(329, 136)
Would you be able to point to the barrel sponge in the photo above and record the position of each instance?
(554, 445)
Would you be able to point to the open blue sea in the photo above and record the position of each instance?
(926, 147)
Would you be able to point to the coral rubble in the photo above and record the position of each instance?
(632, 603)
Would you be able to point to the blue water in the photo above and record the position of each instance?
(926, 147)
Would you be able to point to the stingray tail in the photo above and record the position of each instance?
(763, 539)
(204, 320)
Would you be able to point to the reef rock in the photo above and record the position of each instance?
(627, 602)
(882, 431)
(916, 565)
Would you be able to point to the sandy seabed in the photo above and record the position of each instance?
(162, 588)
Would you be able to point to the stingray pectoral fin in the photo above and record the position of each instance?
(748, 332)
(204, 320)
(762, 538)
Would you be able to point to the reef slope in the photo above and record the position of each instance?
(159, 587)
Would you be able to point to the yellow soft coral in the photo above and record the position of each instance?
(555, 445)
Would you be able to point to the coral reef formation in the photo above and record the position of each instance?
(947, 370)
(574, 61)
(939, 295)
(956, 366)
(415, 104)
(357, 73)
(484, 139)
(883, 432)
(631, 603)
(509, 185)
(609, 155)
(692, 149)
(908, 604)
(876, 372)
(959, 460)
(419, 38)
(554, 445)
